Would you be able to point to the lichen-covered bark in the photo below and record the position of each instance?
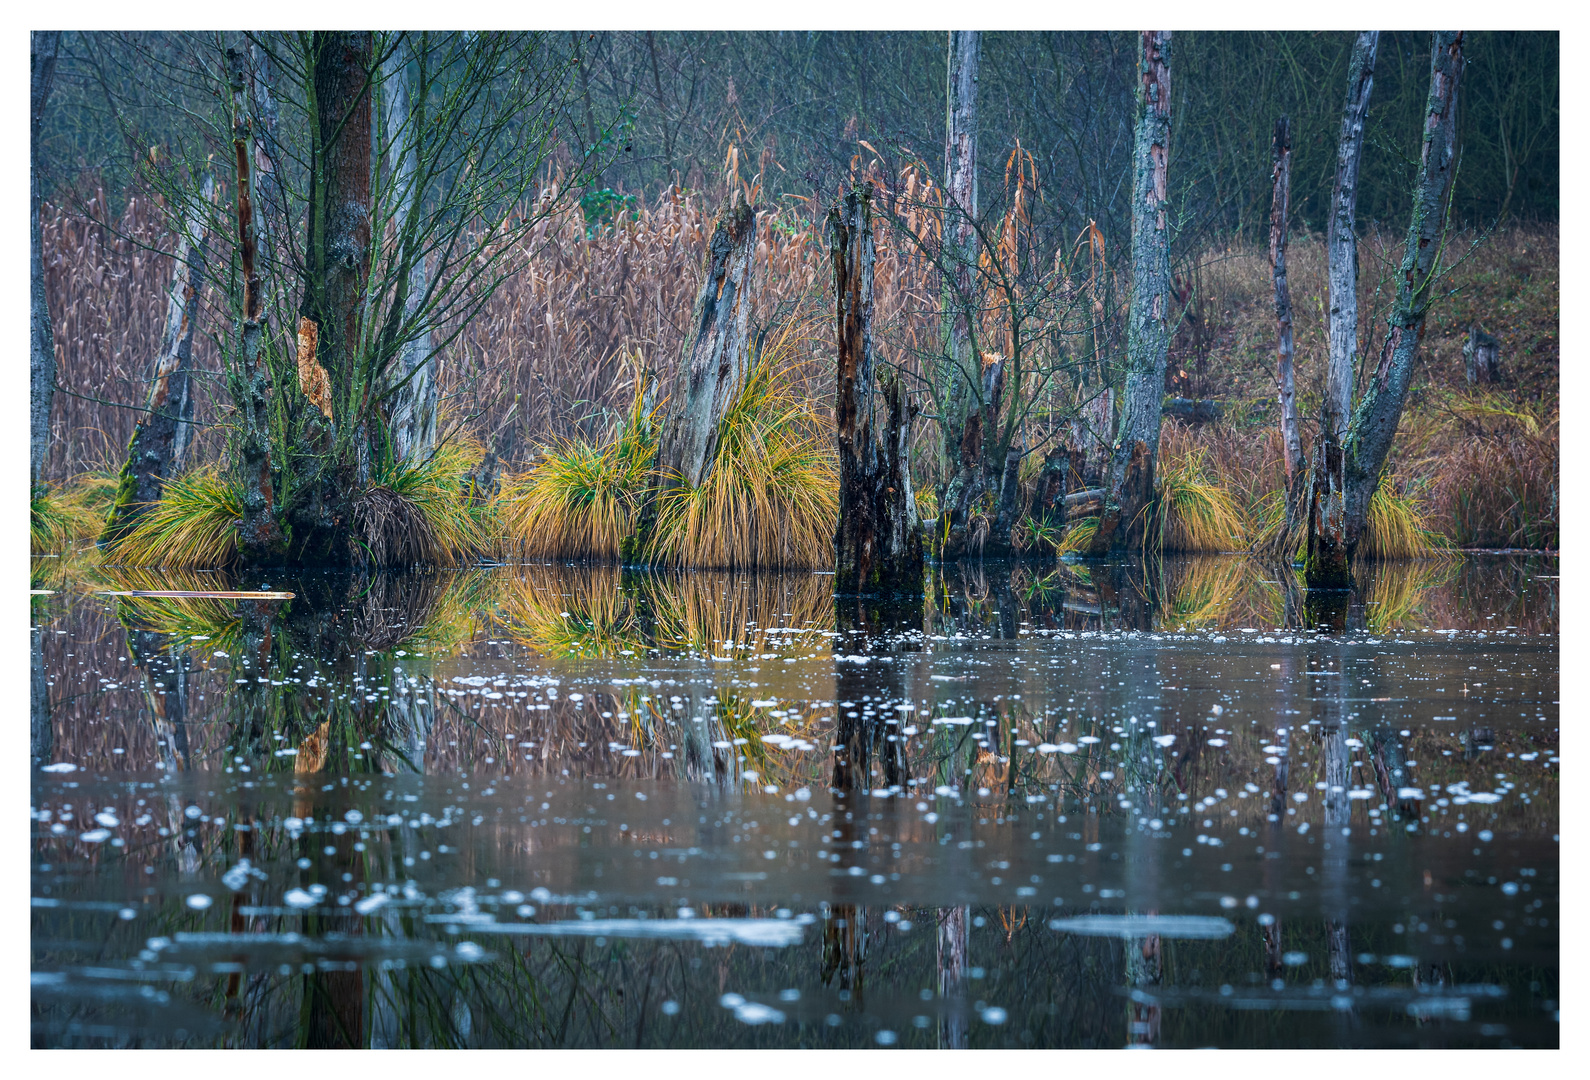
(1341, 239)
(160, 440)
(1285, 378)
(260, 537)
(411, 406)
(877, 546)
(1136, 447)
(41, 360)
(1374, 424)
(717, 353)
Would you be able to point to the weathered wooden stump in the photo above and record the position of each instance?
(1482, 357)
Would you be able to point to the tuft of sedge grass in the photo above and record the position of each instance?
(194, 524)
(1398, 526)
(581, 500)
(1196, 512)
(422, 512)
(59, 517)
(1079, 536)
(771, 498)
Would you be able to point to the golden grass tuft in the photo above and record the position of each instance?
(423, 512)
(772, 496)
(1079, 536)
(1197, 513)
(581, 500)
(63, 514)
(194, 524)
(1398, 526)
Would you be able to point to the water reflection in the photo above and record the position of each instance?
(554, 806)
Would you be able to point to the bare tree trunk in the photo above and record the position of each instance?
(1286, 383)
(1328, 551)
(41, 727)
(1375, 421)
(959, 368)
(412, 406)
(44, 46)
(1131, 486)
(160, 442)
(877, 547)
(260, 536)
(717, 353)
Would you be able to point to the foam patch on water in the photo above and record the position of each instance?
(1135, 926)
(767, 933)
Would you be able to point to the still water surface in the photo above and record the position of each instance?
(1175, 805)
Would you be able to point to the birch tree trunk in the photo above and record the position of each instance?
(717, 353)
(41, 362)
(877, 547)
(411, 408)
(1131, 488)
(1328, 555)
(160, 442)
(260, 538)
(954, 941)
(1375, 420)
(1286, 383)
(959, 367)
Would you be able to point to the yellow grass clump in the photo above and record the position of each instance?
(65, 513)
(424, 512)
(193, 525)
(1398, 527)
(1196, 512)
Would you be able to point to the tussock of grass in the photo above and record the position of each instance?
(581, 500)
(1079, 536)
(193, 525)
(1398, 527)
(772, 496)
(421, 512)
(1196, 512)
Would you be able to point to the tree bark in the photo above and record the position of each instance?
(954, 941)
(1327, 562)
(1286, 382)
(1148, 319)
(260, 538)
(44, 46)
(877, 546)
(1375, 420)
(1341, 239)
(160, 442)
(959, 368)
(1482, 357)
(717, 354)
(411, 408)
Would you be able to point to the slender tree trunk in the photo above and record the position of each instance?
(1125, 522)
(717, 353)
(1375, 420)
(960, 455)
(1328, 554)
(268, 195)
(44, 46)
(1286, 383)
(41, 728)
(877, 547)
(160, 441)
(954, 942)
(412, 405)
(260, 538)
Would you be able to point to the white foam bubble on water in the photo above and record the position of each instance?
(198, 901)
(765, 933)
(298, 898)
(59, 766)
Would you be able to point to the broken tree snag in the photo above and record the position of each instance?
(1285, 377)
(1482, 357)
(877, 546)
(260, 537)
(160, 441)
(1419, 279)
(1326, 564)
(958, 368)
(717, 353)
(1341, 237)
(1148, 318)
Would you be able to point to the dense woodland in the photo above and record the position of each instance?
(839, 300)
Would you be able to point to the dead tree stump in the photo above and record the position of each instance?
(1482, 357)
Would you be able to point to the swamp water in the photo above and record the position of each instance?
(1174, 805)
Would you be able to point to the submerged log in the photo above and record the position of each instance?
(1482, 357)
(717, 353)
(877, 544)
(160, 442)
